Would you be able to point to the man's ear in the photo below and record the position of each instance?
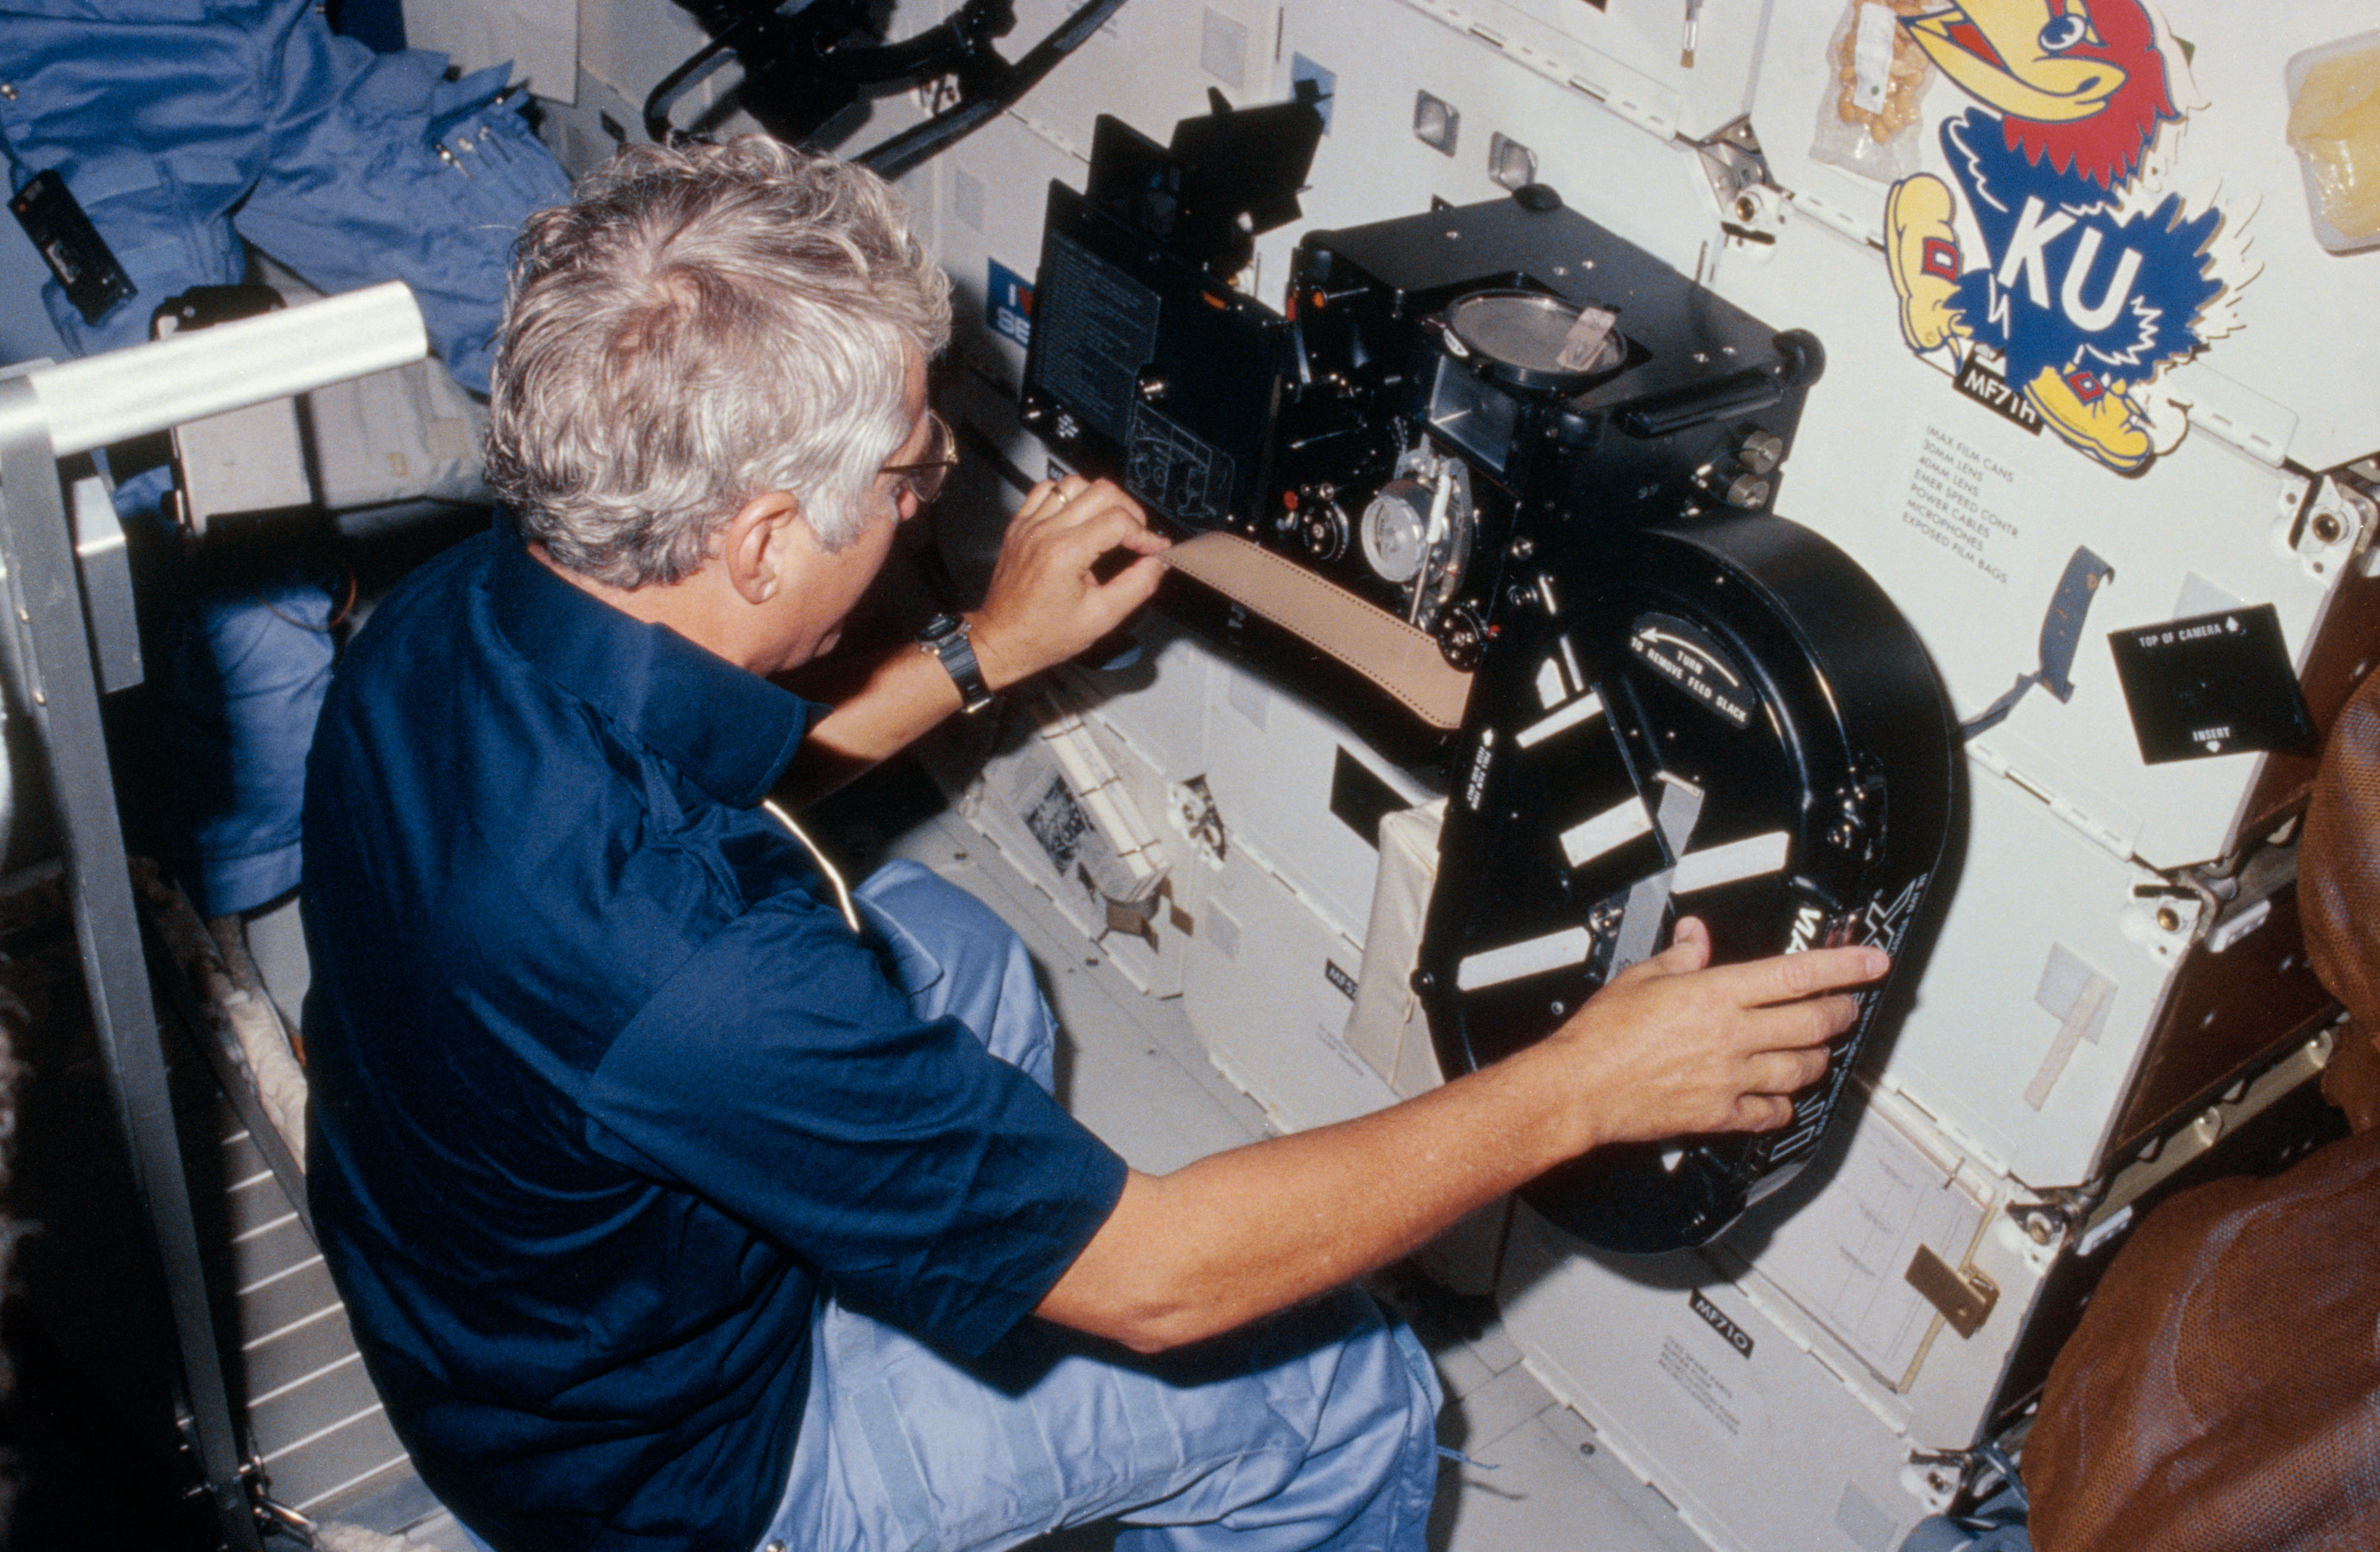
(748, 545)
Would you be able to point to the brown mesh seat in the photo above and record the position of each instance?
(2222, 1392)
(2338, 896)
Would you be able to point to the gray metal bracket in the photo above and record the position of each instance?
(46, 633)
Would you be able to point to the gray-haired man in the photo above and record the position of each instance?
(680, 1200)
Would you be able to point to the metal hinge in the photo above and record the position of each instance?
(1964, 1298)
(2054, 1214)
(1750, 205)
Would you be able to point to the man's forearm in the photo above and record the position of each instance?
(901, 699)
(1669, 1047)
(1239, 1234)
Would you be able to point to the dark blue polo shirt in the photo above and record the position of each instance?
(603, 1085)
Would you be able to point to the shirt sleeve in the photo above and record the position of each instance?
(780, 1076)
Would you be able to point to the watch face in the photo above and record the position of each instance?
(945, 637)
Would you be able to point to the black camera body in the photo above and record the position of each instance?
(1552, 457)
(1479, 384)
(1413, 424)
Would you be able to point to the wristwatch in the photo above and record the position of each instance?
(945, 637)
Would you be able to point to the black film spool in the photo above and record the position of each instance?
(1727, 720)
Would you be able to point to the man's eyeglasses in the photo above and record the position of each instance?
(924, 478)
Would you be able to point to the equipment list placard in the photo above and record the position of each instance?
(1956, 496)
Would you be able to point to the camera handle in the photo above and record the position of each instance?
(1398, 657)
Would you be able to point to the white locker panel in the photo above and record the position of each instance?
(1151, 64)
(1632, 54)
(1837, 1273)
(630, 48)
(2040, 994)
(1798, 83)
(1757, 1441)
(1272, 760)
(2309, 336)
(1371, 167)
(1157, 704)
(1268, 984)
(988, 193)
(1842, 1259)
(1776, 1387)
(1970, 523)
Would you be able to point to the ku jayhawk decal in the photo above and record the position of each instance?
(2070, 264)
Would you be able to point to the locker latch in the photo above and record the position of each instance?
(1965, 1298)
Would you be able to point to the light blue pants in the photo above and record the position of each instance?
(1316, 1429)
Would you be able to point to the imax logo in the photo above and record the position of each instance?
(1719, 1322)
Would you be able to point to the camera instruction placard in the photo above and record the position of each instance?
(2221, 683)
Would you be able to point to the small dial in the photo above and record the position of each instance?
(1462, 636)
(1322, 528)
(1396, 531)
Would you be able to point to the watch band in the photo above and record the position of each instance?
(1398, 657)
(945, 638)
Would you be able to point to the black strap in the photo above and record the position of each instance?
(914, 145)
(988, 85)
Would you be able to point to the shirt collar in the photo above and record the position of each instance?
(731, 732)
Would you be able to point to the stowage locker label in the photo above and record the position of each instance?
(1715, 1318)
(1702, 1389)
(1705, 1367)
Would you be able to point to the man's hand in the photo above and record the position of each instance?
(1045, 603)
(1673, 1047)
(1669, 1047)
